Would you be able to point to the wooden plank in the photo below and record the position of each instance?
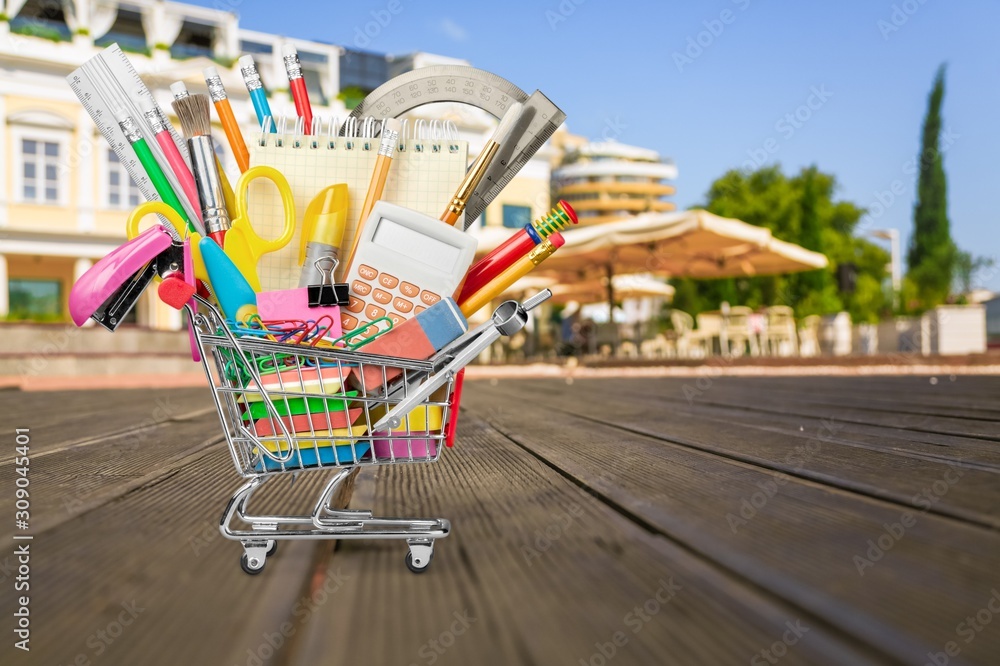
(804, 542)
(820, 452)
(536, 601)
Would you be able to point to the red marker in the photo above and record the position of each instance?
(297, 84)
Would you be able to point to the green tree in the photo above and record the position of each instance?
(932, 253)
(801, 210)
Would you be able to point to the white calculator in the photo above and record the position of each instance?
(404, 263)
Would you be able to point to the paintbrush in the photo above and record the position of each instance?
(478, 169)
(196, 121)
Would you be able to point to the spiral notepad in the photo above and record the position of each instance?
(427, 167)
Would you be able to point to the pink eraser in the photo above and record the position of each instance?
(175, 292)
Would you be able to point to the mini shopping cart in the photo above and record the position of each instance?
(290, 408)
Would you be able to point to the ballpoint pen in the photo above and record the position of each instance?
(297, 84)
(220, 99)
(251, 77)
(148, 161)
(196, 120)
(478, 169)
(512, 274)
(515, 247)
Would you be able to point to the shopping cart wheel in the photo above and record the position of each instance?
(272, 547)
(251, 565)
(419, 557)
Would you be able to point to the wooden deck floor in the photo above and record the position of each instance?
(628, 521)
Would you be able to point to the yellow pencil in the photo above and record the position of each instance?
(511, 274)
(390, 139)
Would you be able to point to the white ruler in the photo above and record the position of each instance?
(108, 82)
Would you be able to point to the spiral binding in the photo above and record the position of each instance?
(354, 133)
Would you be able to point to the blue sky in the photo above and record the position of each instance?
(709, 84)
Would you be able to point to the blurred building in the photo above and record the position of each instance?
(64, 196)
(608, 180)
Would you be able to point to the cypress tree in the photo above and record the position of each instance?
(932, 252)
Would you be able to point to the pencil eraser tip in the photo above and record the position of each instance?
(246, 61)
(146, 102)
(289, 49)
(178, 88)
(120, 114)
(557, 239)
(210, 72)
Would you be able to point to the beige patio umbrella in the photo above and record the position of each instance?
(692, 243)
(625, 286)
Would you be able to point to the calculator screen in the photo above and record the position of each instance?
(413, 244)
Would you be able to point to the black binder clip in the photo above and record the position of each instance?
(328, 293)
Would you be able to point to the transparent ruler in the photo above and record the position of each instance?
(491, 93)
(108, 82)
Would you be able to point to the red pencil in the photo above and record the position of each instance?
(297, 84)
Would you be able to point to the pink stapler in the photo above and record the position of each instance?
(111, 287)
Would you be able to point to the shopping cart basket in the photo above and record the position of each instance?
(296, 408)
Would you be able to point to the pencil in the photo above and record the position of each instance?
(478, 169)
(297, 84)
(390, 139)
(217, 92)
(251, 77)
(512, 274)
(153, 170)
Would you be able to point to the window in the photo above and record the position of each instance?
(35, 299)
(40, 171)
(515, 217)
(122, 190)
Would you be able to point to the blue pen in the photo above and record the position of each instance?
(251, 77)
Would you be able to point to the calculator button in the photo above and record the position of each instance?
(396, 318)
(367, 272)
(361, 288)
(348, 322)
(374, 312)
(402, 304)
(382, 297)
(388, 281)
(417, 310)
(355, 304)
(410, 290)
(429, 297)
(367, 333)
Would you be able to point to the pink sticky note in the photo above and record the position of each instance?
(293, 304)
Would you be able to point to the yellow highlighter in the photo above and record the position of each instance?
(322, 232)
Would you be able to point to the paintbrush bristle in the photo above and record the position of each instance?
(193, 112)
(507, 122)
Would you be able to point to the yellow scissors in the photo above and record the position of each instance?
(243, 245)
(175, 220)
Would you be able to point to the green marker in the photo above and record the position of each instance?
(153, 170)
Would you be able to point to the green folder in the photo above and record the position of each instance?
(296, 406)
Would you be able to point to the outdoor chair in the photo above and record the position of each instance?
(781, 335)
(687, 338)
(809, 336)
(738, 332)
